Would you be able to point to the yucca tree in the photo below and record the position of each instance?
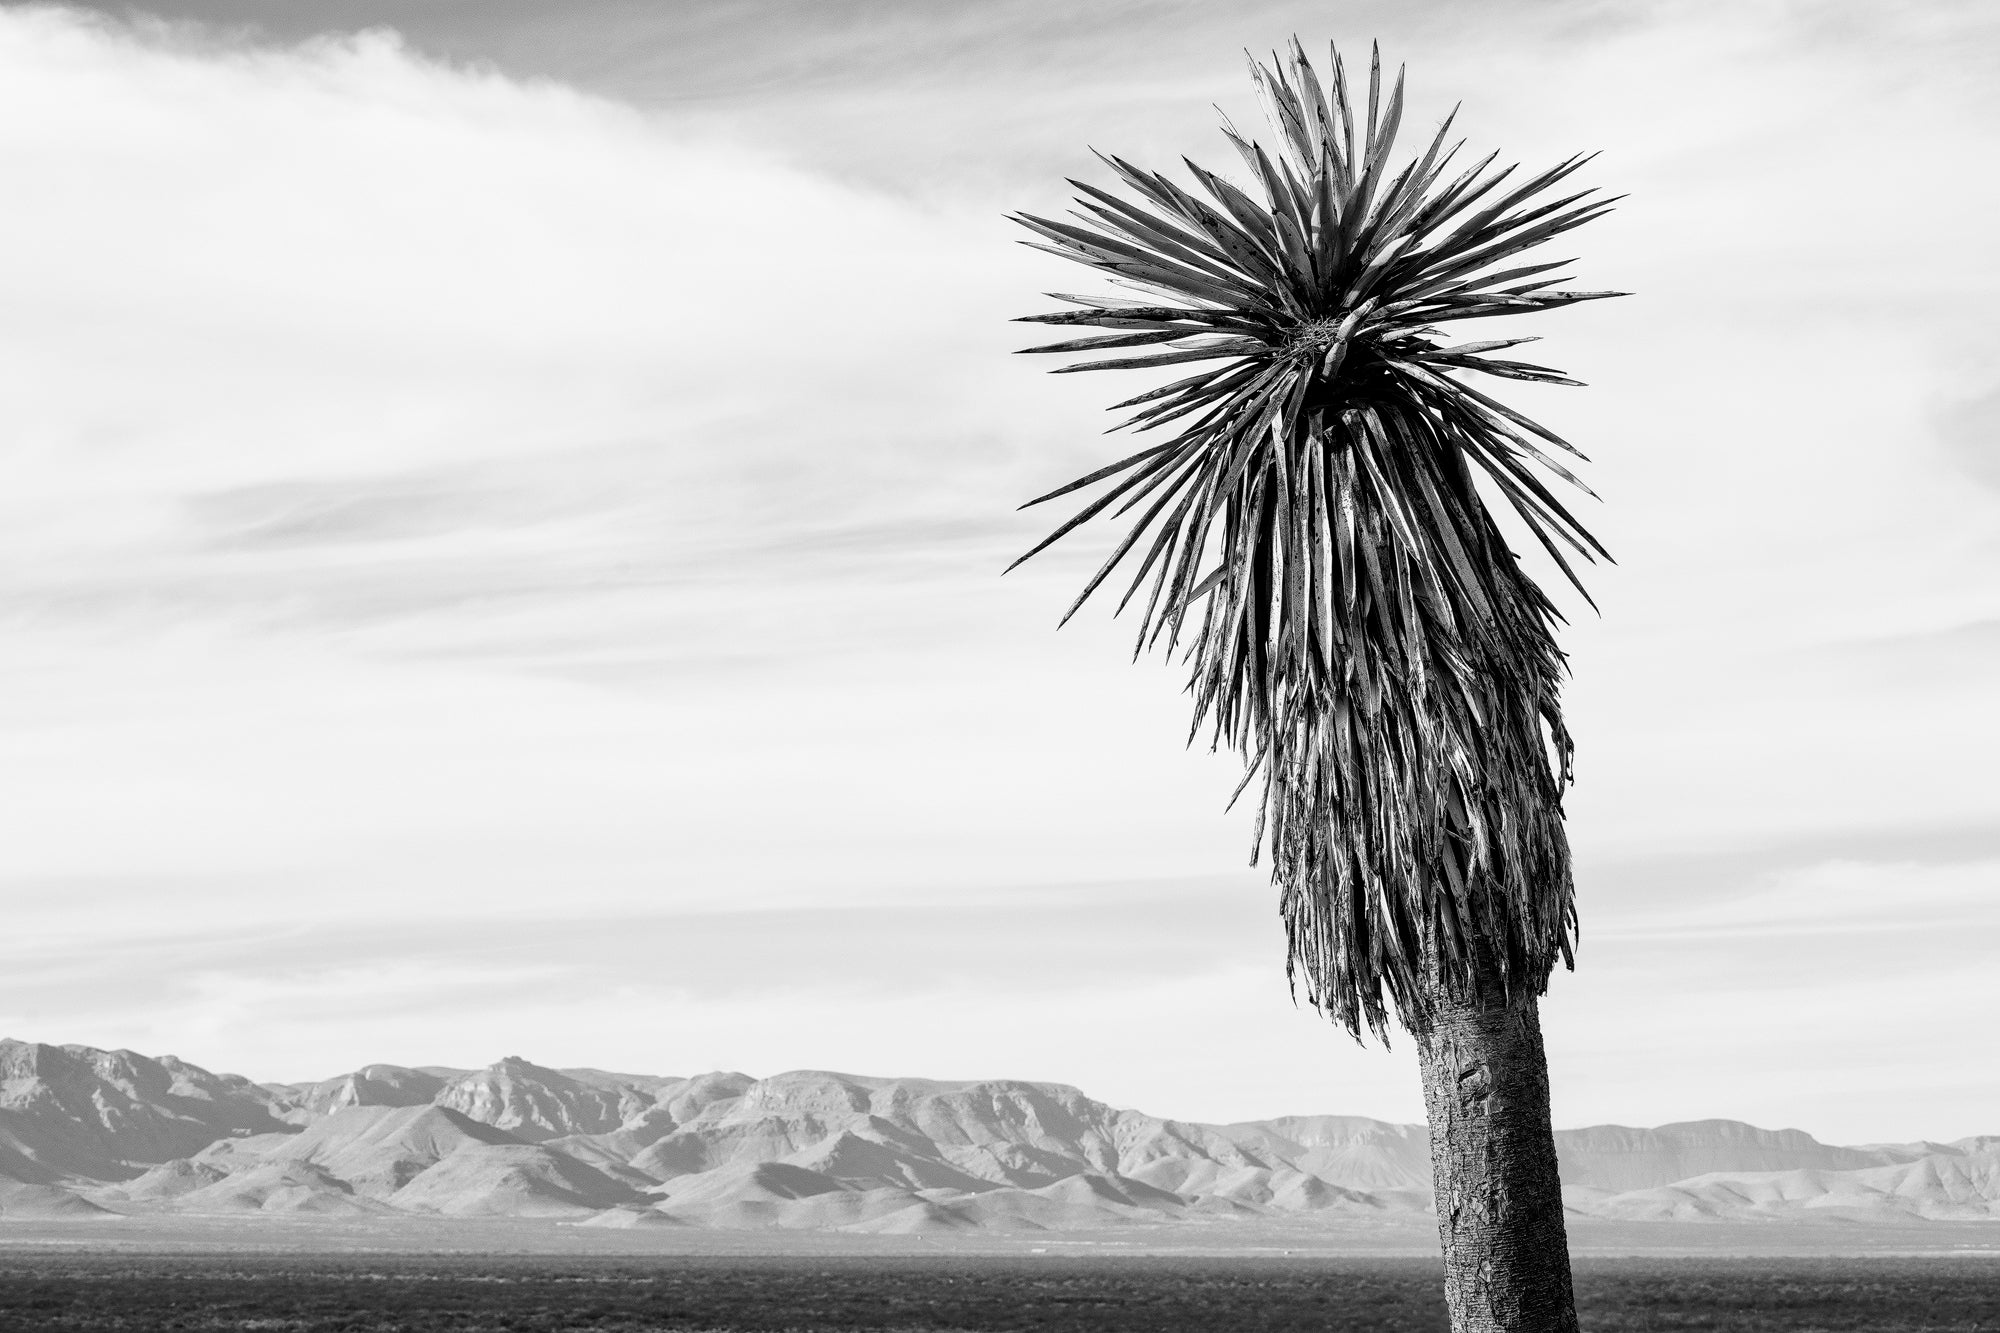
(1318, 535)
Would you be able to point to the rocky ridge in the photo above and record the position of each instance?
(85, 1132)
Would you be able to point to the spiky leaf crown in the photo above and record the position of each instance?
(1366, 640)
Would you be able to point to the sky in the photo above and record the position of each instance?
(502, 508)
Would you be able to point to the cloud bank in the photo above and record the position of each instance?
(502, 536)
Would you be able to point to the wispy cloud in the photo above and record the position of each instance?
(508, 458)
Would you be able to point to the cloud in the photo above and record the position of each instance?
(381, 424)
(1098, 985)
(392, 262)
(1842, 996)
(1970, 430)
(523, 468)
(333, 337)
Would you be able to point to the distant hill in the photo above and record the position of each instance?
(73, 1112)
(84, 1132)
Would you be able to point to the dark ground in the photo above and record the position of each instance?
(358, 1293)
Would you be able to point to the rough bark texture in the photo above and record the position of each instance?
(1493, 1166)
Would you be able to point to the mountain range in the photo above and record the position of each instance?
(86, 1132)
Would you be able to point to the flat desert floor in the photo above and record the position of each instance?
(539, 1277)
(68, 1292)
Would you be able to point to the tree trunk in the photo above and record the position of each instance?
(1493, 1167)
